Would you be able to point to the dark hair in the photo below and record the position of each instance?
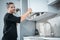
(9, 4)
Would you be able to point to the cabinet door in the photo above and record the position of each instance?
(38, 5)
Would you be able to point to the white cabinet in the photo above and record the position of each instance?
(38, 5)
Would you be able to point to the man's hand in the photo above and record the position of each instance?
(29, 10)
(23, 17)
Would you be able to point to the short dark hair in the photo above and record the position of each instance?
(9, 3)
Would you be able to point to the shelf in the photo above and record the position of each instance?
(43, 17)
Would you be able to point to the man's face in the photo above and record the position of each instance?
(11, 8)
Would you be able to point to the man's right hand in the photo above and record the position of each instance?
(23, 17)
(29, 10)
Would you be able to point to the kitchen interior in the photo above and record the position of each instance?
(42, 24)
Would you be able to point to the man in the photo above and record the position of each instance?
(10, 30)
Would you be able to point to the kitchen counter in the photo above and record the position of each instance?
(41, 38)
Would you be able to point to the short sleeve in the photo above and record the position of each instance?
(14, 19)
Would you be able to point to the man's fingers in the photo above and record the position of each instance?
(30, 10)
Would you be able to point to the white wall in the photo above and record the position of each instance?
(41, 6)
(3, 11)
(38, 5)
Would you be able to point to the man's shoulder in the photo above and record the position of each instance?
(6, 16)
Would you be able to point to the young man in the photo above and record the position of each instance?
(10, 30)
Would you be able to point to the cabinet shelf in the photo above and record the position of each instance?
(42, 17)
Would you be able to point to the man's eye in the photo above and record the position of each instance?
(14, 7)
(11, 7)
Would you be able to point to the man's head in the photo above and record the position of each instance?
(11, 7)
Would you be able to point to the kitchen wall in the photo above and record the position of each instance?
(42, 6)
(38, 5)
(3, 11)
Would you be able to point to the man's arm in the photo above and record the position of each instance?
(23, 17)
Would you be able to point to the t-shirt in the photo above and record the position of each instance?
(10, 29)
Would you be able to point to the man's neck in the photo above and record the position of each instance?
(10, 12)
